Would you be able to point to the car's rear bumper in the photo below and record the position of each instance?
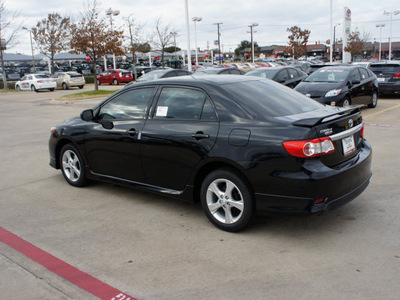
(333, 187)
(389, 87)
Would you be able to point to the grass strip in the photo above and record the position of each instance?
(86, 95)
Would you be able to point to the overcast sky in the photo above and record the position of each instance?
(274, 17)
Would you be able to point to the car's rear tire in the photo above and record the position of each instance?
(72, 166)
(33, 88)
(115, 82)
(374, 100)
(64, 86)
(227, 200)
(346, 102)
(51, 90)
(81, 86)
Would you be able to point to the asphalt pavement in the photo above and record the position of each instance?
(148, 246)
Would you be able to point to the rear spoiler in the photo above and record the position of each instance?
(316, 121)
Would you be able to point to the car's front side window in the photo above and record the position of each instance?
(184, 104)
(129, 105)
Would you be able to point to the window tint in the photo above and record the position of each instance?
(170, 74)
(364, 73)
(282, 76)
(236, 72)
(293, 73)
(183, 103)
(129, 105)
(355, 75)
(264, 98)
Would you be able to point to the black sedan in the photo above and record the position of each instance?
(286, 75)
(237, 144)
(341, 86)
(388, 74)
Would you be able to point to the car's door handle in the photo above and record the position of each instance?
(200, 135)
(131, 131)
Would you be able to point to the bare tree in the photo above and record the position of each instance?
(298, 40)
(135, 39)
(163, 37)
(9, 28)
(91, 36)
(52, 35)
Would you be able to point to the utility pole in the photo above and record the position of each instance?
(252, 42)
(219, 43)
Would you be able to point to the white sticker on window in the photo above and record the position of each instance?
(162, 111)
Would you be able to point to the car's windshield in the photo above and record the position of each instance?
(328, 75)
(262, 73)
(265, 98)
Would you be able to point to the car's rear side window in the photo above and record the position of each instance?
(385, 68)
(264, 98)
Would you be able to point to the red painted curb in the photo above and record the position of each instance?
(62, 269)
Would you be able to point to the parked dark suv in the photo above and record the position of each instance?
(388, 74)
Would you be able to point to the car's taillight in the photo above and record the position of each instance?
(40, 81)
(397, 75)
(362, 131)
(310, 148)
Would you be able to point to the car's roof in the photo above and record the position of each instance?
(203, 80)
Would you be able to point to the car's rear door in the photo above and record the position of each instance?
(181, 132)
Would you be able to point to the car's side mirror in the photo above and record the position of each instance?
(87, 115)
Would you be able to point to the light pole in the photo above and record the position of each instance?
(33, 57)
(391, 13)
(174, 34)
(252, 42)
(380, 39)
(219, 43)
(110, 12)
(334, 37)
(189, 54)
(195, 20)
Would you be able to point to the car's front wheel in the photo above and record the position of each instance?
(17, 88)
(98, 82)
(227, 200)
(374, 100)
(346, 102)
(72, 166)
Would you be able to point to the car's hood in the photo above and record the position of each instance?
(317, 89)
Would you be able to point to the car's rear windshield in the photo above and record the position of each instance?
(265, 73)
(41, 76)
(74, 74)
(264, 99)
(389, 68)
(328, 75)
(153, 75)
(208, 71)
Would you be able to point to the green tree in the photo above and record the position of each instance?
(171, 49)
(243, 45)
(52, 35)
(298, 40)
(92, 37)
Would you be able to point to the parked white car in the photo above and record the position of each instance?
(36, 82)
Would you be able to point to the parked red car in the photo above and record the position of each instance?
(114, 76)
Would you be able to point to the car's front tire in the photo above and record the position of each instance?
(17, 88)
(374, 100)
(98, 82)
(72, 166)
(227, 200)
(346, 102)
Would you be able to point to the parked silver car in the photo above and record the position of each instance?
(65, 80)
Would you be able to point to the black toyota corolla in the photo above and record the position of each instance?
(238, 144)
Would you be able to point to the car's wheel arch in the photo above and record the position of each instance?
(211, 166)
(60, 144)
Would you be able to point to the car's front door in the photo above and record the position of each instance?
(182, 130)
(357, 88)
(112, 142)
